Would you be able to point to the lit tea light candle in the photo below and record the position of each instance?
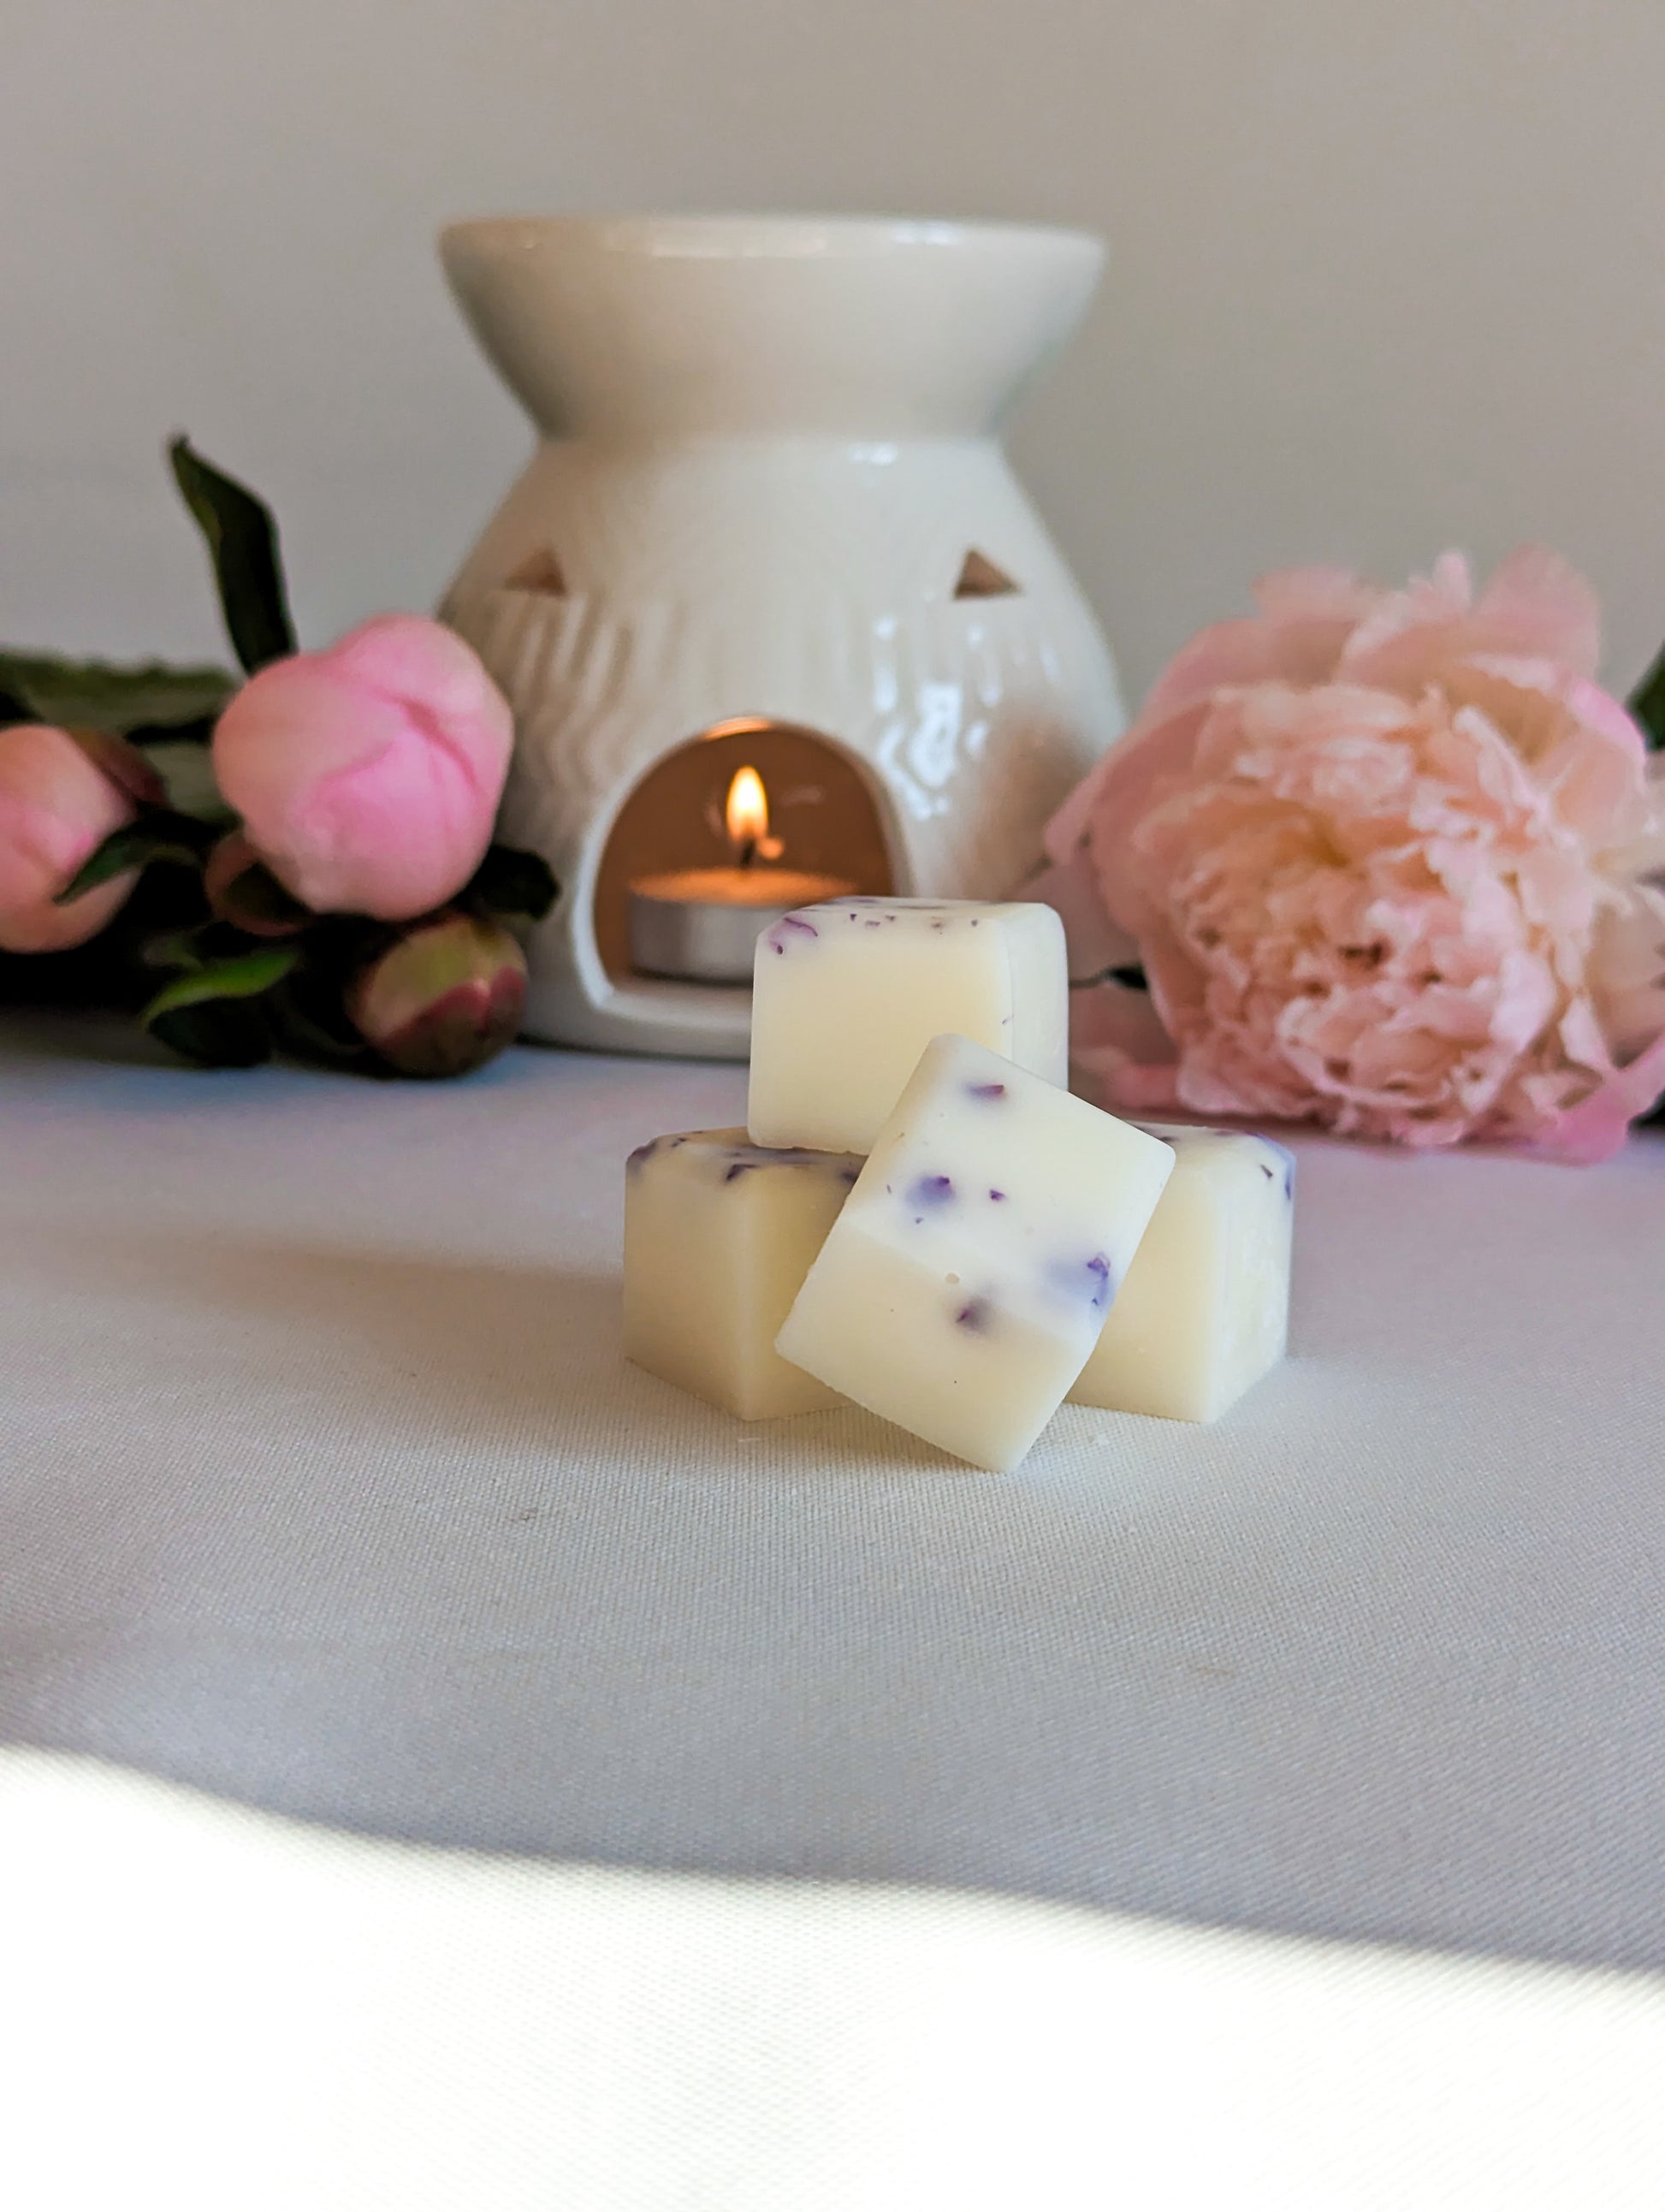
(701, 925)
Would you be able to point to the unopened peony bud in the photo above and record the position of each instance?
(368, 777)
(56, 808)
(443, 1000)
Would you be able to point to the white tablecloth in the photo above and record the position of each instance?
(324, 1489)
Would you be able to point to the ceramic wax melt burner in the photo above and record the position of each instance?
(769, 525)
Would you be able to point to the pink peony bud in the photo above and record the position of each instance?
(56, 810)
(368, 776)
(443, 1000)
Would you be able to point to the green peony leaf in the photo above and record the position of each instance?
(511, 882)
(310, 1019)
(175, 948)
(1647, 703)
(258, 903)
(210, 943)
(1131, 978)
(102, 695)
(244, 976)
(248, 567)
(158, 834)
(188, 776)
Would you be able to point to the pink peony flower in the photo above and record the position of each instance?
(368, 776)
(1393, 863)
(56, 808)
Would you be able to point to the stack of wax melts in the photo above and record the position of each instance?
(920, 1217)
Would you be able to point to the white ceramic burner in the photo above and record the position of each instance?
(770, 522)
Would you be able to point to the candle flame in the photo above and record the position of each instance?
(747, 811)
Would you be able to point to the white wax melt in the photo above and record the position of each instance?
(1205, 1310)
(966, 1280)
(717, 1236)
(846, 996)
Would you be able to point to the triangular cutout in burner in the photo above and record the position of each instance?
(981, 580)
(538, 572)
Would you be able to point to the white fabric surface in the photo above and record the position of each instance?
(209, 2010)
(323, 1488)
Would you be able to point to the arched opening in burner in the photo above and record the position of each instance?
(701, 856)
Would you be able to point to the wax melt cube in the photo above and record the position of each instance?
(847, 996)
(717, 1236)
(962, 1286)
(1205, 1310)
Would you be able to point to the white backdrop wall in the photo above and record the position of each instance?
(1386, 274)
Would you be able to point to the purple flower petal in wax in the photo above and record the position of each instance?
(976, 1314)
(1077, 1278)
(989, 1091)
